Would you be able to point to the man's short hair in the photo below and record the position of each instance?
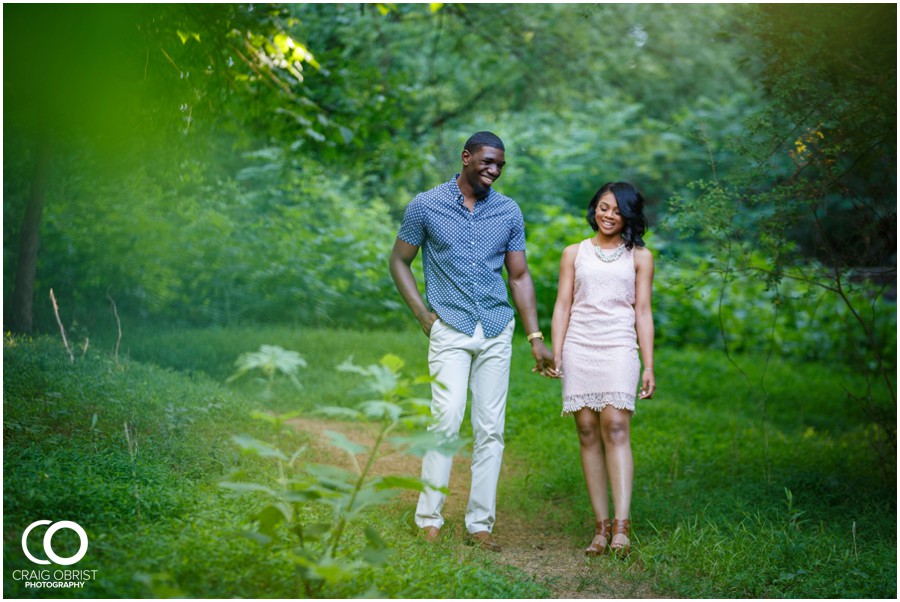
(481, 139)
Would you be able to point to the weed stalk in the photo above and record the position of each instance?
(132, 451)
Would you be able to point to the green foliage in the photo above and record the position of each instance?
(808, 218)
(269, 151)
(710, 510)
(65, 455)
(710, 497)
(699, 301)
(290, 523)
(272, 361)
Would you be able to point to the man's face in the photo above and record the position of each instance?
(482, 168)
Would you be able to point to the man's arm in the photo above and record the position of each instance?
(402, 257)
(522, 288)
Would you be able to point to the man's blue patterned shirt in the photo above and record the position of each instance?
(463, 254)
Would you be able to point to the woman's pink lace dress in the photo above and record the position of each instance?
(600, 364)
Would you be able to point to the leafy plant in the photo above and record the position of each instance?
(310, 509)
(271, 360)
(812, 203)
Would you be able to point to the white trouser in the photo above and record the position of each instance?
(458, 361)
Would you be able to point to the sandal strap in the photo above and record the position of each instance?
(603, 528)
(621, 526)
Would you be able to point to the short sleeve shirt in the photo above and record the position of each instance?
(463, 253)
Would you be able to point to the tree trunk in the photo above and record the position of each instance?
(26, 270)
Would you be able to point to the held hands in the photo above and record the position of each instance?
(648, 384)
(544, 363)
(553, 371)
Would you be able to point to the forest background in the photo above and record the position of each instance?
(195, 167)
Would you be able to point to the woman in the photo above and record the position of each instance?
(602, 316)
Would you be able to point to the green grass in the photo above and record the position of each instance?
(158, 522)
(741, 490)
(734, 496)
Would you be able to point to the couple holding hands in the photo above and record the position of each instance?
(602, 333)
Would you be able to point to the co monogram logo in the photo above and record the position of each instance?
(48, 537)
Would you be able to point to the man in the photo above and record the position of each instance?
(468, 232)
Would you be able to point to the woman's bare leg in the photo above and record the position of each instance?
(593, 463)
(616, 435)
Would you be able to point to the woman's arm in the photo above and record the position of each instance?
(643, 317)
(562, 310)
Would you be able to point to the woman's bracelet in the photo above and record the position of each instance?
(648, 370)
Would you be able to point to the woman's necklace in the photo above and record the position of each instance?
(613, 256)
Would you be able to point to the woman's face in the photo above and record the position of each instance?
(609, 220)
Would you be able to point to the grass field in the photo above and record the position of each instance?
(762, 484)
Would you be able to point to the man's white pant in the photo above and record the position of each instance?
(458, 361)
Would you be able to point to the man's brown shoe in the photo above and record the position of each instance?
(483, 540)
(430, 534)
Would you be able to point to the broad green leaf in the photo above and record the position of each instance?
(366, 498)
(273, 419)
(340, 440)
(255, 446)
(392, 362)
(245, 487)
(296, 455)
(332, 476)
(383, 380)
(338, 412)
(417, 444)
(380, 410)
(400, 482)
(376, 551)
(348, 366)
(332, 570)
(271, 516)
(305, 495)
(256, 536)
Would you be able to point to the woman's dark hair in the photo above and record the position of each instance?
(631, 208)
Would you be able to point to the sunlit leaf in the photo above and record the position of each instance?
(270, 517)
(399, 482)
(333, 570)
(255, 446)
(380, 410)
(339, 412)
(392, 362)
(348, 366)
(340, 440)
(418, 444)
(246, 487)
(256, 536)
(332, 476)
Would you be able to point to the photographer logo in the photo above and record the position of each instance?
(48, 538)
(60, 578)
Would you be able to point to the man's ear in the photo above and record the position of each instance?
(466, 155)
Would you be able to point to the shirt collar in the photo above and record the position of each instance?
(457, 193)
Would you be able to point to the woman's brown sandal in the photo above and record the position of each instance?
(621, 527)
(596, 549)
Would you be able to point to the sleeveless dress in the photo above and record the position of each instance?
(600, 363)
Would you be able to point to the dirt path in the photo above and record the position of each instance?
(547, 557)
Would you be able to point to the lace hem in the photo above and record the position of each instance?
(598, 401)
